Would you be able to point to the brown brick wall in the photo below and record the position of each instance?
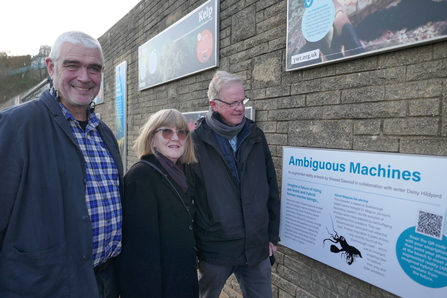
(393, 102)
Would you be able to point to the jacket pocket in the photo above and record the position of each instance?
(36, 274)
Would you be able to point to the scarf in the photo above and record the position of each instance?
(215, 121)
(175, 171)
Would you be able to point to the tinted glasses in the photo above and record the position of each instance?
(167, 133)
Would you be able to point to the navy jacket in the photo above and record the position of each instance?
(45, 228)
(234, 224)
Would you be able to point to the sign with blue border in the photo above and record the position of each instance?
(380, 217)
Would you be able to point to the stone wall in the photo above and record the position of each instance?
(392, 102)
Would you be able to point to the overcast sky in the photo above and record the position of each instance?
(25, 25)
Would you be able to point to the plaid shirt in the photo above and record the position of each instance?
(102, 192)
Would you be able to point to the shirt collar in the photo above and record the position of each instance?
(91, 116)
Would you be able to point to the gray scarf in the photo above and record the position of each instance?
(215, 121)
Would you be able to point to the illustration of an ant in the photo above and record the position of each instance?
(348, 251)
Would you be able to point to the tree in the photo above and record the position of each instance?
(20, 73)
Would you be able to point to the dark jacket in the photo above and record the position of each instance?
(158, 256)
(45, 228)
(234, 225)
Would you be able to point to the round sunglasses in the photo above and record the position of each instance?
(167, 133)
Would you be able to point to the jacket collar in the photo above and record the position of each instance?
(204, 131)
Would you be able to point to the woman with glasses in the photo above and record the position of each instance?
(158, 257)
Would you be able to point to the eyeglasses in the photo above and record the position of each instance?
(235, 104)
(167, 133)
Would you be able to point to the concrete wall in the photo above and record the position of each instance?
(393, 102)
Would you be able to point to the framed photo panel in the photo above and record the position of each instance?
(324, 31)
(189, 46)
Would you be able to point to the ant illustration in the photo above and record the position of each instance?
(348, 251)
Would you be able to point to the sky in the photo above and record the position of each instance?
(25, 25)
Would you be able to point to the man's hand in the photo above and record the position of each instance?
(272, 249)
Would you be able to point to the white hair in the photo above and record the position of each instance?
(220, 80)
(74, 37)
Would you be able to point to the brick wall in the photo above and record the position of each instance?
(393, 102)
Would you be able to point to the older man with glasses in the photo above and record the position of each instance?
(237, 199)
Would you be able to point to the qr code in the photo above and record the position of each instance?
(430, 224)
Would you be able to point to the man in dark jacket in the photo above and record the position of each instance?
(60, 184)
(237, 203)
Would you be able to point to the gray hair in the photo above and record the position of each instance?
(220, 80)
(74, 37)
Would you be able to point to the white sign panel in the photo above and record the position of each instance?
(376, 216)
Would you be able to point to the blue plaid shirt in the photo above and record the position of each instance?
(102, 192)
